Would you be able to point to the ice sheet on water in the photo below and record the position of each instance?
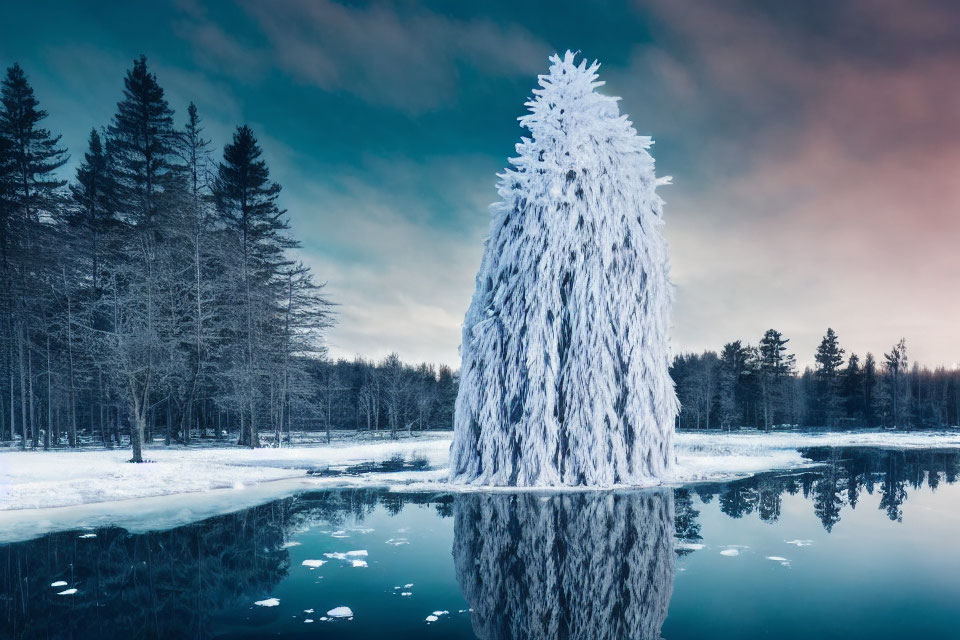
(268, 602)
(346, 555)
(777, 559)
(730, 552)
(359, 563)
(799, 543)
(313, 564)
(397, 541)
(340, 612)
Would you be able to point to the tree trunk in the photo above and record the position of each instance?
(23, 391)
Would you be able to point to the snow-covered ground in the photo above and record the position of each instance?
(57, 490)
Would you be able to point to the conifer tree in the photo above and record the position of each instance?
(565, 352)
(733, 366)
(35, 152)
(142, 145)
(246, 199)
(774, 366)
(829, 359)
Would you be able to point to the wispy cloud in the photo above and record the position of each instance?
(409, 59)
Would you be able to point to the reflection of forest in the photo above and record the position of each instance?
(168, 584)
(582, 565)
(570, 565)
(839, 480)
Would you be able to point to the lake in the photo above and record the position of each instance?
(862, 545)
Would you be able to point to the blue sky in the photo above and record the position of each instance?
(812, 145)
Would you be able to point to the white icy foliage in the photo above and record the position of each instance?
(565, 352)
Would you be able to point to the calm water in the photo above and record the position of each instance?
(865, 546)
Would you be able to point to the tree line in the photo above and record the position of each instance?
(154, 294)
(760, 387)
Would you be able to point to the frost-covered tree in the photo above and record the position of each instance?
(583, 565)
(565, 353)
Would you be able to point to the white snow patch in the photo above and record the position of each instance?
(340, 612)
(313, 564)
(269, 602)
(292, 543)
(87, 536)
(689, 546)
(59, 583)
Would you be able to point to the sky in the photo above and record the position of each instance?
(814, 146)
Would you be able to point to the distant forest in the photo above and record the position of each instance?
(152, 295)
(760, 387)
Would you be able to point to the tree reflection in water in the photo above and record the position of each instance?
(572, 565)
(581, 565)
(840, 479)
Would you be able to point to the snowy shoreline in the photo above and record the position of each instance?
(62, 490)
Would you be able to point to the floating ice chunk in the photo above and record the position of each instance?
(324, 618)
(432, 618)
(408, 585)
(398, 541)
(67, 592)
(313, 564)
(406, 594)
(800, 543)
(340, 534)
(440, 613)
(777, 559)
(59, 583)
(307, 621)
(689, 546)
(269, 602)
(343, 555)
(730, 552)
(292, 543)
(87, 536)
(359, 563)
(362, 529)
(308, 610)
(340, 612)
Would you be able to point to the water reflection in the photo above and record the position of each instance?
(575, 565)
(567, 566)
(839, 480)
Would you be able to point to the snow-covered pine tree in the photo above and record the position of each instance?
(565, 353)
